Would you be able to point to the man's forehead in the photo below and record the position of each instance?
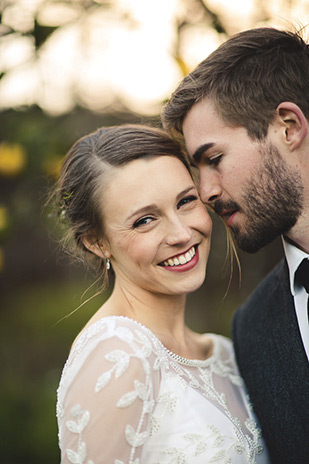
(199, 130)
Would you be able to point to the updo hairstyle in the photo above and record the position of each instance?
(85, 170)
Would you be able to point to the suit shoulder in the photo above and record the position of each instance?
(262, 298)
(266, 287)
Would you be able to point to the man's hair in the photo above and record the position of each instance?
(246, 78)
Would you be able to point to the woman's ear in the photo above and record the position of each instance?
(293, 123)
(96, 246)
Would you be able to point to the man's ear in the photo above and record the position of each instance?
(96, 246)
(293, 124)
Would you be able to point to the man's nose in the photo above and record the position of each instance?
(209, 187)
(178, 231)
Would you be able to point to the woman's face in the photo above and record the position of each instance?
(157, 229)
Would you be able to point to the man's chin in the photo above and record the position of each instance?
(250, 247)
(254, 240)
(252, 244)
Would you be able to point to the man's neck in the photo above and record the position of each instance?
(298, 236)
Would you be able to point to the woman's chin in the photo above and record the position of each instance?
(191, 285)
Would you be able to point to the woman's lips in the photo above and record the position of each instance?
(182, 262)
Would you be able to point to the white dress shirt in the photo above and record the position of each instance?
(294, 257)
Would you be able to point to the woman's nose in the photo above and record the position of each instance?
(209, 186)
(178, 232)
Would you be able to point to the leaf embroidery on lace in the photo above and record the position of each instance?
(103, 380)
(140, 391)
(199, 442)
(221, 457)
(121, 462)
(142, 350)
(146, 343)
(135, 438)
(121, 362)
(77, 427)
(178, 456)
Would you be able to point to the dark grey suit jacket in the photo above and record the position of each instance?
(273, 363)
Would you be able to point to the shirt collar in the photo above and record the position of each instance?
(294, 257)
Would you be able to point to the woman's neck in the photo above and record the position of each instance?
(160, 313)
(164, 315)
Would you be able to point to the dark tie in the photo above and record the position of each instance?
(302, 277)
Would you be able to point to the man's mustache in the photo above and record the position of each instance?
(220, 206)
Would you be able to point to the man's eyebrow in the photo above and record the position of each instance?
(197, 155)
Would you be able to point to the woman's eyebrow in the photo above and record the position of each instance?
(153, 206)
(142, 210)
(185, 191)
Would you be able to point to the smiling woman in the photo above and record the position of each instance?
(136, 369)
(151, 217)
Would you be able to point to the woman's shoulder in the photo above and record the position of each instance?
(114, 364)
(112, 336)
(223, 351)
(115, 341)
(119, 328)
(222, 344)
(223, 358)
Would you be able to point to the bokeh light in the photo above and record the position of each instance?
(130, 53)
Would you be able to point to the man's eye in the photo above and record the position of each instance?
(215, 160)
(143, 221)
(186, 200)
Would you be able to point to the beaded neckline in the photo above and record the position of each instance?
(177, 358)
(186, 361)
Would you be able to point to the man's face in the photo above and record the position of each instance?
(247, 181)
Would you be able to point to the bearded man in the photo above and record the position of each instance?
(244, 116)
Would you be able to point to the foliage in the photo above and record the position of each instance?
(34, 346)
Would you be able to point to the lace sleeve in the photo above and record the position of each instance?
(107, 407)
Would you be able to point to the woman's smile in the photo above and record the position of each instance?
(182, 262)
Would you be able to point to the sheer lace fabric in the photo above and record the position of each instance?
(124, 398)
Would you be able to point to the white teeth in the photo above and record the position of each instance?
(181, 259)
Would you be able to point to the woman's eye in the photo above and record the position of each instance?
(215, 160)
(187, 200)
(143, 221)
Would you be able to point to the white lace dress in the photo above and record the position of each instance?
(124, 398)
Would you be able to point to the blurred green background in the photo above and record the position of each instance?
(39, 284)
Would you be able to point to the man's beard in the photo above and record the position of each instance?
(272, 202)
